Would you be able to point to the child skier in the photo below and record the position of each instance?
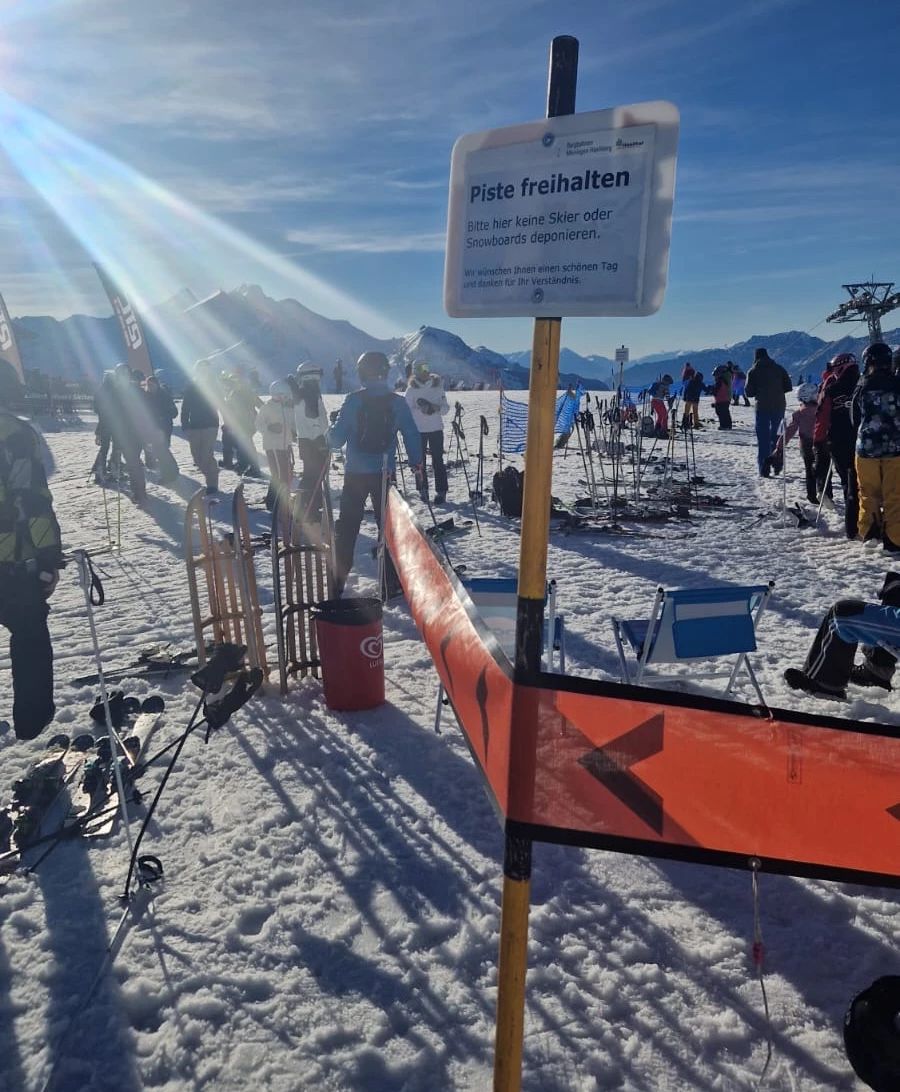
(659, 396)
(803, 422)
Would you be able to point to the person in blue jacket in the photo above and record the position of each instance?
(368, 423)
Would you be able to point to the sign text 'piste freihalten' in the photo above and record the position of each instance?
(563, 216)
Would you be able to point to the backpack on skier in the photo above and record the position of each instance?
(375, 423)
(508, 486)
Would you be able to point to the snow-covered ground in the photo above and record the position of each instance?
(329, 915)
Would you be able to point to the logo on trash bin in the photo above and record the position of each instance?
(371, 647)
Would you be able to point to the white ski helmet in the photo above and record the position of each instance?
(807, 392)
(281, 390)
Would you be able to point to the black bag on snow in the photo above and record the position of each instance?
(375, 424)
(508, 485)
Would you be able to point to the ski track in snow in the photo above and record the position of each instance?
(330, 911)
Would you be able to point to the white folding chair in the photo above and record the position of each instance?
(690, 626)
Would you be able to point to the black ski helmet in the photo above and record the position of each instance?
(872, 1034)
(877, 356)
(373, 365)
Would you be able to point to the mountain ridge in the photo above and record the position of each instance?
(246, 328)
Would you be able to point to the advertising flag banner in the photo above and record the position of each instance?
(653, 772)
(9, 351)
(138, 355)
(568, 215)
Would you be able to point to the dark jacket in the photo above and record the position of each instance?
(29, 533)
(876, 412)
(834, 420)
(161, 406)
(693, 388)
(768, 383)
(198, 411)
(122, 411)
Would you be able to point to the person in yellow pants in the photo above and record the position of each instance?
(876, 412)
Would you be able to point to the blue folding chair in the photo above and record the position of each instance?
(496, 599)
(690, 626)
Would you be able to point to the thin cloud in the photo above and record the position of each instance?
(388, 242)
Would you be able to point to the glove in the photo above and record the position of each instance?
(49, 580)
(333, 416)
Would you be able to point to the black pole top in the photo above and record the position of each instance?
(563, 76)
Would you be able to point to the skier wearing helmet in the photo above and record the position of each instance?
(275, 424)
(875, 411)
(834, 434)
(368, 423)
(426, 398)
(802, 421)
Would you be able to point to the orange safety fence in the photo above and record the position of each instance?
(654, 772)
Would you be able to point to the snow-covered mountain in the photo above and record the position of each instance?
(598, 369)
(245, 327)
(452, 358)
(800, 353)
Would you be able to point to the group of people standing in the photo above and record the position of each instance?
(849, 425)
(728, 388)
(135, 414)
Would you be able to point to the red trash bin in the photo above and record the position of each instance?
(351, 649)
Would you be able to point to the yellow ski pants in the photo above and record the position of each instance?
(879, 496)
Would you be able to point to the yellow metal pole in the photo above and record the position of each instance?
(542, 388)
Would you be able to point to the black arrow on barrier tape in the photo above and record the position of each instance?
(894, 811)
(610, 765)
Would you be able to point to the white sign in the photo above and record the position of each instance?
(563, 216)
(622, 355)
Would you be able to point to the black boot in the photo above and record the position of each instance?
(799, 680)
(863, 675)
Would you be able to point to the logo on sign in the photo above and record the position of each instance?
(130, 325)
(5, 335)
(371, 647)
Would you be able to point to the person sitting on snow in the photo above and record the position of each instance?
(829, 665)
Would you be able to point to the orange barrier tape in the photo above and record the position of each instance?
(655, 772)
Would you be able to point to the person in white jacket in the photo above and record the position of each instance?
(275, 423)
(311, 424)
(428, 402)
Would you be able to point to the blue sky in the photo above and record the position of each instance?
(305, 146)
